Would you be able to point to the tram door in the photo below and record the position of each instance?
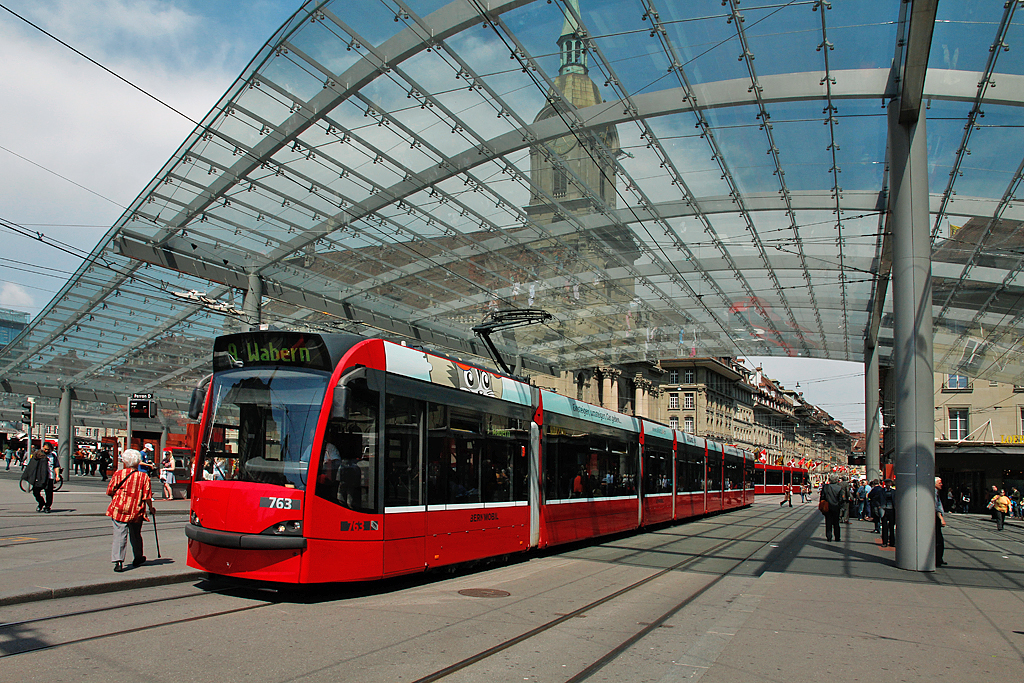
(404, 504)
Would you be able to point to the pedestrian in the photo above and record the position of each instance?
(844, 503)
(130, 493)
(1000, 504)
(888, 500)
(105, 461)
(940, 522)
(805, 491)
(167, 474)
(835, 494)
(875, 503)
(43, 469)
(147, 465)
(787, 495)
(9, 455)
(965, 501)
(1015, 498)
(863, 511)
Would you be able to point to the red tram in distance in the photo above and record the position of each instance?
(772, 478)
(326, 458)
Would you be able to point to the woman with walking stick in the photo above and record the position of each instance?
(130, 493)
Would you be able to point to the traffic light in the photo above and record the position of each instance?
(26, 413)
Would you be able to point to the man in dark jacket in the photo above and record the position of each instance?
(835, 494)
(875, 504)
(42, 470)
(888, 515)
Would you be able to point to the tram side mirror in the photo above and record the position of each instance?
(339, 409)
(198, 400)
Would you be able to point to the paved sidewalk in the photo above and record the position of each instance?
(67, 552)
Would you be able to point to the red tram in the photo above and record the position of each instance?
(332, 457)
(772, 478)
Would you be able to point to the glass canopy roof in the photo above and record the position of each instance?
(667, 179)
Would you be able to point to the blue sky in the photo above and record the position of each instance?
(78, 144)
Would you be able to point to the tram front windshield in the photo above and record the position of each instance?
(261, 425)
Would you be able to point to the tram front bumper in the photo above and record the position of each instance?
(227, 539)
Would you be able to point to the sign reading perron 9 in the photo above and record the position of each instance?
(289, 349)
(141, 406)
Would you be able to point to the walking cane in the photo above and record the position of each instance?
(155, 536)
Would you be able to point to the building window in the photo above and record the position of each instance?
(956, 382)
(673, 422)
(673, 401)
(673, 377)
(689, 376)
(560, 184)
(958, 423)
(688, 425)
(688, 401)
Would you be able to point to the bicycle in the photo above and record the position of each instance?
(57, 485)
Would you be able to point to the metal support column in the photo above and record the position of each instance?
(871, 415)
(163, 442)
(251, 304)
(912, 354)
(65, 432)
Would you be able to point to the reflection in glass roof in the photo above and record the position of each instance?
(668, 179)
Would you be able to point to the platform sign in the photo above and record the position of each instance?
(142, 406)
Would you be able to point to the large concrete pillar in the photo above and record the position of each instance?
(252, 303)
(912, 354)
(65, 432)
(871, 415)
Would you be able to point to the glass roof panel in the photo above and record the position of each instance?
(963, 33)
(417, 200)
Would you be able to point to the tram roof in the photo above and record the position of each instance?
(372, 167)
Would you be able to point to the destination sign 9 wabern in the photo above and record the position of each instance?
(290, 349)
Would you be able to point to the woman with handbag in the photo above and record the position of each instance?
(167, 474)
(1000, 506)
(130, 493)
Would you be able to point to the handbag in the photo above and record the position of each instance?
(823, 506)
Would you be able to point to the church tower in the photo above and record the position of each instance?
(580, 154)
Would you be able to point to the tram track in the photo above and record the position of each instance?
(615, 652)
(135, 630)
(7, 628)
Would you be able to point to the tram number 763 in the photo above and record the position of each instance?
(281, 503)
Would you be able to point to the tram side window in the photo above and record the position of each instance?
(748, 473)
(347, 475)
(582, 465)
(504, 467)
(773, 477)
(624, 459)
(733, 473)
(657, 467)
(690, 468)
(402, 451)
(714, 470)
(454, 445)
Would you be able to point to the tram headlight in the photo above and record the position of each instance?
(291, 527)
(194, 518)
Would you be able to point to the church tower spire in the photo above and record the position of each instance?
(570, 44)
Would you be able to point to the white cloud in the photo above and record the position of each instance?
(14, 296)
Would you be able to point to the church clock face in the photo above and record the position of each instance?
(562, 145)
